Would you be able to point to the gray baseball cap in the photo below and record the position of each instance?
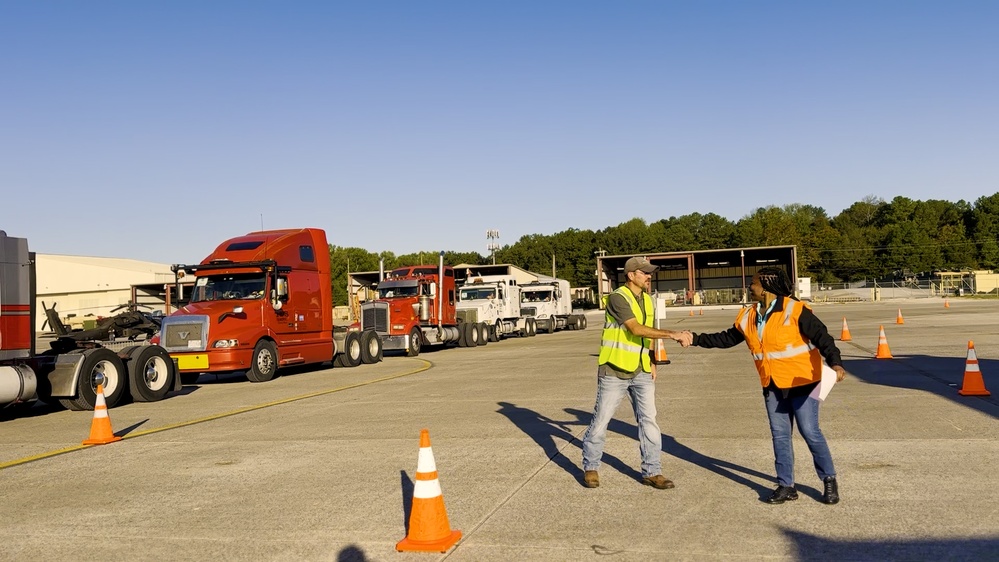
(636, 263)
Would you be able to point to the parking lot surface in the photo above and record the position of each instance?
(320, 464)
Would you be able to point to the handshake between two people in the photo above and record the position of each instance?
(685, 338)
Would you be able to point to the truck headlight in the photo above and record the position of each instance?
(398, 326)
(226, 343)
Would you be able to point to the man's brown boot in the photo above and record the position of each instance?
(591, 479)
(658, 481)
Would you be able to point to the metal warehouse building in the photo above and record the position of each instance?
(701, 277)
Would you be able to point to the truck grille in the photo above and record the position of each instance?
(468, 315)
(375, 316)
(184, 333)
(529, 311)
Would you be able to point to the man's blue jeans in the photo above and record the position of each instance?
(610, 391)
(783, 413)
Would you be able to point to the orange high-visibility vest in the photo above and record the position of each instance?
(783, 355)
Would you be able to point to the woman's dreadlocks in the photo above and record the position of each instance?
(775, 280)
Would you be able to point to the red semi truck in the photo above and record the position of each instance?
(260, 302)
(416, 307)
(70, 370)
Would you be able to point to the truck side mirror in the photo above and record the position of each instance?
(280, 294)
(433, 289)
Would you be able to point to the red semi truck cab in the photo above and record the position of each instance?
(259, 302)
(416, 307)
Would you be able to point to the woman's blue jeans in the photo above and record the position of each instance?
(783, 413)
(610, 391)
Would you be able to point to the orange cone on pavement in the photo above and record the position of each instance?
(946, 303)
(100, 429)
(899, 319)
(659, 357)
(429, 529)
(701, 312)
(691, 311)
(973, 384)
(883, 351)
(845, 335)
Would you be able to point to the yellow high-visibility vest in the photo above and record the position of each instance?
(621, 348)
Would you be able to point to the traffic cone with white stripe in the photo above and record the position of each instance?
(883, 351)
(845, 334)
(973, 384)
(429, 529)
(899, 319)
(100, 429)
(659, 356)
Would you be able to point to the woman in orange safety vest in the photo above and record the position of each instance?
(788, 343)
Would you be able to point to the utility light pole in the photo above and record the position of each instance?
(492, 246)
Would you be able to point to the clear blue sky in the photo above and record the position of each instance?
(154, 130)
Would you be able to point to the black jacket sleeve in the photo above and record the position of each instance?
(729, 338)
(813, 329)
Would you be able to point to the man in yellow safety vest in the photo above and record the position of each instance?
(625, 367)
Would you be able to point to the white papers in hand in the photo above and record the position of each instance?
(825, 385)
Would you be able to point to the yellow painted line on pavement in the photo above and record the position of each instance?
(38, 457)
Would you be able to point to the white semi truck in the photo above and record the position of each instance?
(549, 303)
(494, 301)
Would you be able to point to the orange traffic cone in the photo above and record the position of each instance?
(946, 303)
(691, 311)
(898, 319)
(100, 428)
(845, 334)
(701, 312)
(659, 357)
(429, 530)
(973, 384)
(883, 351)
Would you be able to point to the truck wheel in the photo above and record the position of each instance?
(483, 333)
(551, 325)
(415, 343)
(98, 364)
(151, 373)
(264, 364)
(534, 328)
(353, 350)
(463, 334)
(494, 332)
(582, 322)
(371, 347)
(472, 338)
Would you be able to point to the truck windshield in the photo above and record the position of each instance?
(393, 289)
(229, 287)
(477, 294)
(535, 296)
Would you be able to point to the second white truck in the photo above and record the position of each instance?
(549, 303)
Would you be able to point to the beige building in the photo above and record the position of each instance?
(84, 288)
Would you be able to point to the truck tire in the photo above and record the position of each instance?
(483, 333)
(582, 322)
(264, 364)
(150, 373)
(371, 347)
(353, 350)
(533, 331)
(551, 325)
(494, 332)
(472, 337)
(415, 343)
(98, 362)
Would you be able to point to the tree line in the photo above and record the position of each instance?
(872, 238)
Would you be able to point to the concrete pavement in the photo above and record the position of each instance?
(318, 465)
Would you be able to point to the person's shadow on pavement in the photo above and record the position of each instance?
(547, 433)
(734, 472)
